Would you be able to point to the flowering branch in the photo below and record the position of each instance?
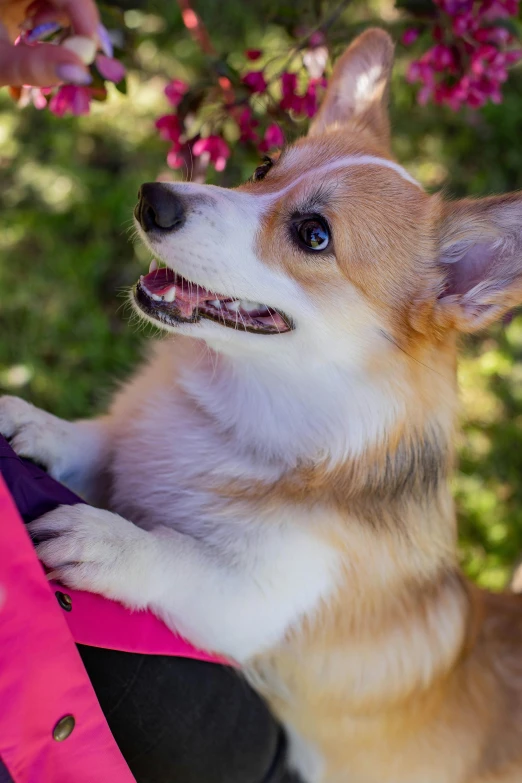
(471, 44)
(281, 98)
(474, 47)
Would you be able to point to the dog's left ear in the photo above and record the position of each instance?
(480, 256)
(359, 86)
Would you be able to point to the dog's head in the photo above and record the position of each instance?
(332, 248)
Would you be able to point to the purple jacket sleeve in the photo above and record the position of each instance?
(34, 491)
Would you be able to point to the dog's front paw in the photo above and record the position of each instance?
(34, 434)
(90, 549)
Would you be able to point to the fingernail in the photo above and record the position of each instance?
(42, 30)
(105, 41)
(73, 74)
(83, 47)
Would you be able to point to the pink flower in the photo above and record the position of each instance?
(255, 81)
(306, 104)
(34, 95)
(109, 68)
(174, 158)
(310, 101)
(409, 36)
(288, 84)
(290, 101)
(424, 94)
(316, 39)
(253, 54)
(438, 33)
(216, 148)
(453, 7)
(420, 71)
(464, 24)
(468, 63)
(247, 124)
(70, 98)
(513, 56)
(272, 139)
(439, 57)
(499, 10)
(169, 127)
(175, 91)
(497, 35)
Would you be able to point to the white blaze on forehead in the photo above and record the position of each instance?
(234, 196)
(341, 163)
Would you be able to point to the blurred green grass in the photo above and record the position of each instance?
(67, 192)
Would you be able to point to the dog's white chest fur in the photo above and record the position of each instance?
(171, 453)
(184, 427)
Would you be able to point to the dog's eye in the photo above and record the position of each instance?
(313, 234)
(262, 170)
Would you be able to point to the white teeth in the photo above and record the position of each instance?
(248, 306)
(170, 295)
(235, 305)
(156, 297)
(215, 303)
(153, 265)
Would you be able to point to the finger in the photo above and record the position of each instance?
(46, 13)
(83, 14)
(44, 65)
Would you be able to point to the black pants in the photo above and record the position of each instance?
(183, 721)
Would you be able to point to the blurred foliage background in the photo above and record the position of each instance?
(68, 187)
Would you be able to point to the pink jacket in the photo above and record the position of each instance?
(50, 719)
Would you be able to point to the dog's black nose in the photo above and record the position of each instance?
(159, 208)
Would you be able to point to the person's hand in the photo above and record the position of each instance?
(44, 65)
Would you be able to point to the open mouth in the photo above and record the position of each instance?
(170, 299)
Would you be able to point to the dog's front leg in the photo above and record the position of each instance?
(236, 596)
(74, 453)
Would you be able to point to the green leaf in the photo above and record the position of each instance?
(121, 86)
(98, 82)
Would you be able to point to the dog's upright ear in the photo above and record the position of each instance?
(359, 87)
(480, 257)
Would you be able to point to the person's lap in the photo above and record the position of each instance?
(186, 721)
(176, 720)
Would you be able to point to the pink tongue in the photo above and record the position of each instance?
(188, 295)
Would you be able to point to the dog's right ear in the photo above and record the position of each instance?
(359, 87)
(480, 255)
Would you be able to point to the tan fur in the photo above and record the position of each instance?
(364, 94)
(410, 675)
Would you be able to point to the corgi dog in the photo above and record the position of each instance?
(274, 482)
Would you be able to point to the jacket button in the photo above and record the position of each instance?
(64, 600)
(63, 728)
